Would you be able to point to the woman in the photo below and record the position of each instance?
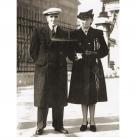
(87, 85)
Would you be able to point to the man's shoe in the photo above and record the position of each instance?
(93, 128)
(62, 130)
(39, 132)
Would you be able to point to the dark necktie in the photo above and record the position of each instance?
(53, 32)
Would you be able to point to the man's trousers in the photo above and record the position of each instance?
(57, 117)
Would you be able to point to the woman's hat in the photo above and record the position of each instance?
(85, 15)
(52, 11)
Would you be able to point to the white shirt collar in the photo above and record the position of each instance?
(85, 30)
(51, 28)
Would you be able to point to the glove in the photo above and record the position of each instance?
(78, 56)
(90, 53)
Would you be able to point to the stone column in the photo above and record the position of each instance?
(105, 27)
(103, 23)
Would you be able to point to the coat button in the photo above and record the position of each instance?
(60, 53)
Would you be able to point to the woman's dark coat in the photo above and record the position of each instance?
(50, 79)
(84, 85)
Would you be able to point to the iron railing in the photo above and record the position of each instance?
(28, 18)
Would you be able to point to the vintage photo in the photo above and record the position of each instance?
(68, 68)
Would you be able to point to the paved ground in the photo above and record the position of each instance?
(107, 119)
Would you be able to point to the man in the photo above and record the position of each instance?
(50, 80)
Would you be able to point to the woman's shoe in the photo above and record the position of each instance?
(83, 127)
(93, 128)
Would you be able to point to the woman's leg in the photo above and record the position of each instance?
(92, 114)
(84, 113)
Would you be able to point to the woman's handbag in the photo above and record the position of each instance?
(99, 74)
(97, 69)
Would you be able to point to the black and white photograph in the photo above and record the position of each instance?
(67, 56)
(68, 69)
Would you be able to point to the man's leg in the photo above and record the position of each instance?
(57, 117)
(41, 119)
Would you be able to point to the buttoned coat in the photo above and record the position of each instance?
(87, 84)
(50, 78)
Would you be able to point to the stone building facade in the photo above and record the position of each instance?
(108, 21)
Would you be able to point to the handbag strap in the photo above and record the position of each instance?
(96, 47)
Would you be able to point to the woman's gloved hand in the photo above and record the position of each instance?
(92, 53)
(78, 56)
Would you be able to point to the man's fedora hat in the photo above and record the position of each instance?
(52, 11)
(84, 15)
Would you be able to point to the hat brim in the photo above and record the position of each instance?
(52, 13)
(85, 16)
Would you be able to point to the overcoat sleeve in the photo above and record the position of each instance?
(34, 45)
(103, 49)
(71, 50)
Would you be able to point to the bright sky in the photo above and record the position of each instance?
(90, 4)
(86, 5)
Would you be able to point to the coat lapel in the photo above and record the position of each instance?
(91, 34)
(47, 33)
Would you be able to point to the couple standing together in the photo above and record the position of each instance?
(87, 86)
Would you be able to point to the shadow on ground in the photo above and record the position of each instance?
(102, 123)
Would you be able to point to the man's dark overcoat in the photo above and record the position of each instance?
(84, 79)
(50, 79)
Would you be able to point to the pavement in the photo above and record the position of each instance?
(106, 115)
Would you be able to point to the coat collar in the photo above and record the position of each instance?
(90, 34)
